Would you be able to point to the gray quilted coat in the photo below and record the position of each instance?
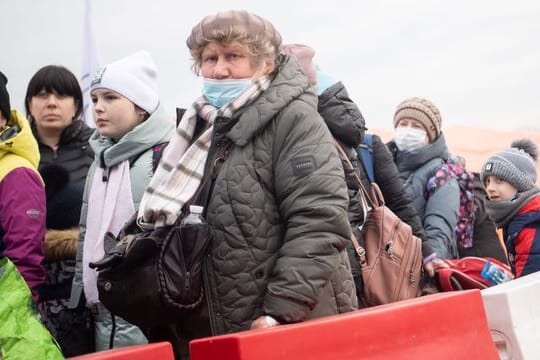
(278, 213)
(439, 212)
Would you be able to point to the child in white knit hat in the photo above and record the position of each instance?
(513, 203)
(130, 123)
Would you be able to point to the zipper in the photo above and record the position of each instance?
(388, 246)
(409, 273)
(412, 280)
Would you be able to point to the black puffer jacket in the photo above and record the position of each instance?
(347, 125)
(73, 153)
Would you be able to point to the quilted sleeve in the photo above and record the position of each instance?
(441, 213)
(312, 199)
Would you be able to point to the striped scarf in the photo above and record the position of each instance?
(181, 169)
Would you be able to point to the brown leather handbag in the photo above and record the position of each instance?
(391, 259)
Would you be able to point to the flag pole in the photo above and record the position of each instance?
(90, 64)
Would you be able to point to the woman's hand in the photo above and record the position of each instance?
(433, 265)
(429, 268)
(263, 322)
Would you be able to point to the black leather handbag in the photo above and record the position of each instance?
(149, 277)
(152, 277)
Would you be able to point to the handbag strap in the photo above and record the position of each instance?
(360, 251)
(374, 201)
(204, 192)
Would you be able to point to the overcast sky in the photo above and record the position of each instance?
(478, 61)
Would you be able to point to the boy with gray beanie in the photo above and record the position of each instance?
(513, 203)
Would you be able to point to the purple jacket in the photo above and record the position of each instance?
(22, 203)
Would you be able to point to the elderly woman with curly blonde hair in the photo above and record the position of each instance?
(278, 209)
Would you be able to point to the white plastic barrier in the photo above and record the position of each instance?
(513, 314)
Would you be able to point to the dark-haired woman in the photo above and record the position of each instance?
(54, 106)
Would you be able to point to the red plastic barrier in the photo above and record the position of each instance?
(161, 351)
(441, 326)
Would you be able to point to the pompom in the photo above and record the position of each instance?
(526, 145)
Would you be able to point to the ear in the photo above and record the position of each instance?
(268, 66)
(142, 115)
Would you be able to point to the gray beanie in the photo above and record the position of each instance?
(516, 166)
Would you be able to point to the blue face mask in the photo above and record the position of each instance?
(221, 92)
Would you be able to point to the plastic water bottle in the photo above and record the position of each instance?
(194, 216)
(193, 229)
(494, 274)
(186, 257)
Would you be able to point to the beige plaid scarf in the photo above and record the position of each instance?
(181, 169)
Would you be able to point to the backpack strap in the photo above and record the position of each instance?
(157, 152)
(374, 200)
(437, 175)
(365, 152)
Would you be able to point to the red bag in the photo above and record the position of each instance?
(465, 273)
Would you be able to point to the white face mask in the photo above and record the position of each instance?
(409, 139)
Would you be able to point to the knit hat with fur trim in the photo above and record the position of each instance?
(5, 107)
(516, 166)
(422, 110)
(134, 77)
